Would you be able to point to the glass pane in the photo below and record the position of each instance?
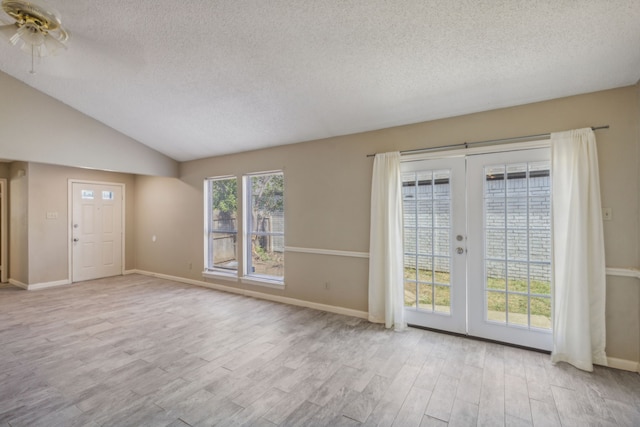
(224, 251)
(496, 275)
(408, 186)
(540, 212)
(425, 241)
(267, 201)
(410, 272)
(409, 212)
(410, 241)
(442, 209)
(517, 245)
(425, 213)
(496, 306)
(425, 269)
(495, 213)
(442, 187)
(443, 299)
(539, 179)
(518, 310)
(87, 194)
(516, 180)
(541, 312)
(425, 297)
(517, 213)
(442, 242)
(410, 289)
(540, 245)
(442, 273)
(107, 195)
(518, 274)
(495, 244)
(265, 214)
(494, 184)
(268, 255)
(425, 187)
(540, 275)
(224, 204)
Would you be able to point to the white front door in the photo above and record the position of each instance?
(477, 236)
(96, 230)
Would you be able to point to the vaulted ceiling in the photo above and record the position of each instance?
(196, 78)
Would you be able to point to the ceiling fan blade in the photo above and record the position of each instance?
(8, 31)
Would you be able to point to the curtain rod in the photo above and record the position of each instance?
(488, 141)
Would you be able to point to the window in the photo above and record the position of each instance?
(222, 207)
(262, 214)
(264, 226)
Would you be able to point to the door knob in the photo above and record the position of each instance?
(460, 250)
(75, 239)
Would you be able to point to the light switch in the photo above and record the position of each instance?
(607, 215)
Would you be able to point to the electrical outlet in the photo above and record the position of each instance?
(607, 214)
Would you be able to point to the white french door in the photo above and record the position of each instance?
(478, 245)
(97, 220)
(434, 243)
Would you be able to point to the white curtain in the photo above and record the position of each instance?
(578, 251)
(386, 290)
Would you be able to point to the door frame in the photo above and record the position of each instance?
(4, 266)
(464, 152)
(70, 220)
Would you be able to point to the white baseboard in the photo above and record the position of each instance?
(18, 283)
(622, 364)
(45, 285)
(260, 295)
(127, 272)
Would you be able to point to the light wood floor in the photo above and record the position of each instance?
(141, 351)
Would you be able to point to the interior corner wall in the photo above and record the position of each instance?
(18, 222)
(37, 128)
(48, 238)
(327, 201)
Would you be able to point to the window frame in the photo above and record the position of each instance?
(249, 276)
(209, 267)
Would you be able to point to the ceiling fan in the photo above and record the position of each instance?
(37, 29)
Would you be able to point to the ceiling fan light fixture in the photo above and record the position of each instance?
(37, 29)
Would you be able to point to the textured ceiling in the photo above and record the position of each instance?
(196, 78)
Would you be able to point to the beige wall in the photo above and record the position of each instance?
(48, 238)
(328, 186)
(4, 170)
(37, 128)
(18, 222)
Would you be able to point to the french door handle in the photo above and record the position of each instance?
(459, 250)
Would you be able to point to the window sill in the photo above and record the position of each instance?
(215, 274)
(261, 281)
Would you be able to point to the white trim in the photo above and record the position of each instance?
(488, 149)
(623, 272)
(45, 285)
(18, 283)
(70, 183)
(127, 272)
(333, 252)
(260, 295)
(261, 281)
(215, 274)
(4, 267)
(625, 365)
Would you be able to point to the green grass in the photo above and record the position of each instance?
(496, 297)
